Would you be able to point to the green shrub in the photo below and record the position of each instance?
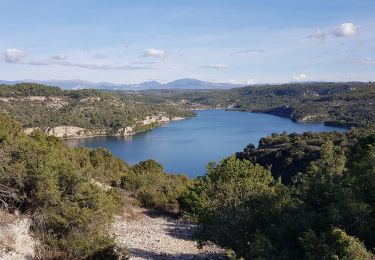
(152, 187)
(334, 244)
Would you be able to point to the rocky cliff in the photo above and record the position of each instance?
(74, 131)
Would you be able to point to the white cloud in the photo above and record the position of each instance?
(60, 56)
(86, 65)
(13, 55)
(345, 30)
(249, 81)
(215, 66)
(150, 52)
(300, 77)
(49, 62)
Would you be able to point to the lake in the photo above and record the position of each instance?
(186, 146)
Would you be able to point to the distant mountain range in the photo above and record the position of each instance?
(186, 83)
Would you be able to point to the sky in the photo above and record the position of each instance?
(236, 41)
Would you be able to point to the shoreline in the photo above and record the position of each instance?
(326, 123)
(346, 127)
(118, 135)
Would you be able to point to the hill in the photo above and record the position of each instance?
(343, 104)
(84, 112)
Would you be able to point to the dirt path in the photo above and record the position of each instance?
(149, 236)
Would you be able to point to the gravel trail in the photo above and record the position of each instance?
(151, 236)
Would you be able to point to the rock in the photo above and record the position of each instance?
(91, 99)
(164, 119)
(36, 98)
(65, 131)
(16, 241)
(125, 131)
(29, 130)
(6, 100)
(74, 131)
(176, 118)
(149, 120)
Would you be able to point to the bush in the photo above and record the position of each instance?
(152, 187)
(334, 244)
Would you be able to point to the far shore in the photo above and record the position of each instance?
(119, 135)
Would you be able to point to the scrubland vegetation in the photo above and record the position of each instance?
(324, 208)
(58, 187)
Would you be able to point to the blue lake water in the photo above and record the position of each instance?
(186, 146)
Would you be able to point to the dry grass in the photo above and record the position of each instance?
(44, 252)
(130, 208)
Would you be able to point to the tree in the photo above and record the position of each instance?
(334, 244)
(234, 202)
(361, 177)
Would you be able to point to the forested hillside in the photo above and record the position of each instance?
(324, 208)
(286, 155)
(93, 112)
(344, 104)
